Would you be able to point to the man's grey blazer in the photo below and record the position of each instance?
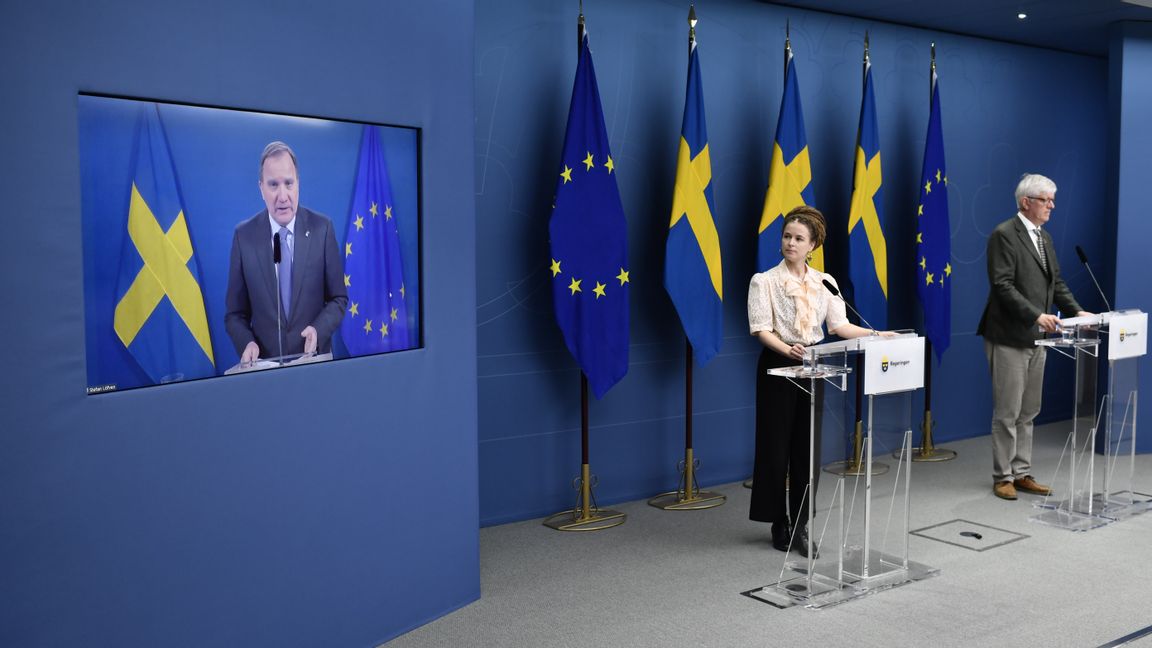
(1020, 290)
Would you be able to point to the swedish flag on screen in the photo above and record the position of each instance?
(692, 269)
(867, 251)
(160, 316)
(789, 176)
(589, 241)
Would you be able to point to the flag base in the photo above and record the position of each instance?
(688, 497)
(927, 454)
(576, 520)
(854, 468)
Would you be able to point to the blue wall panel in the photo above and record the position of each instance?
(332, 505)
(1130, 59)
(1006, 110)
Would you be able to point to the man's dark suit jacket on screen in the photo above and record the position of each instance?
(1021, 291)
(318, 293)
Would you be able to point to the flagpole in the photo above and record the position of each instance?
(688, 497)
(585, 515)
(928, 452)
(854, 467)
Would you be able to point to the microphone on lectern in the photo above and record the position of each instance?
(1084, 260)
(279, 317)
(836, 293)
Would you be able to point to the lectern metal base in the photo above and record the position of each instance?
(596, 520)
(884, 572)
(1078, 514)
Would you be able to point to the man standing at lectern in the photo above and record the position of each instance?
(1024, 283)
(309, 280)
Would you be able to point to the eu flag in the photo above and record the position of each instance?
(934, 235)
(692, 273)
(589, 239)
(867, 251)
(160, 316)
(789, 176)
(377, 317)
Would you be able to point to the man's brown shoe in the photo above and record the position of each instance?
(1004, 490)
(1029, 485)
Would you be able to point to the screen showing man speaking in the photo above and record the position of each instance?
(218, 241)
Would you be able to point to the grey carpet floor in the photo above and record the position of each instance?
(669, 578)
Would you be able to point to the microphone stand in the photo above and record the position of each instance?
(1084, 260)
(276, 265)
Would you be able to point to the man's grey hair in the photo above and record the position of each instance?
(276, 148)
(1031, 184)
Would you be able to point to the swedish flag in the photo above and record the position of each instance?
(867, 251)
(160, 315)
(589, 240)
(934, 235)
(692, 272)
(790, 173)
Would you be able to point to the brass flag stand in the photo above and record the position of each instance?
(928, 452)
(688, 497)
(585, 515)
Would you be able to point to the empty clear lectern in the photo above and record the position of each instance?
(1093, 482)
(859, 522)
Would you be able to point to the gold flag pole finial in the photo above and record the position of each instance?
(932, 74)
(787, 43)
(691, 26)
(580, 31)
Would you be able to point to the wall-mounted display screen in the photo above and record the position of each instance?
(219, 241)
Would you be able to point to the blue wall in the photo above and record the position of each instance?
(1130, 58)
(330, 505)
(1006, 110)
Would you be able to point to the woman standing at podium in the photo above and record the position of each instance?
(787, 306)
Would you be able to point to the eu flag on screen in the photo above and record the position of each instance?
(377, 317)
(867, 251)
(160, 316)
(789, 176)
(934, 235)
(589, 239)
(692, 273)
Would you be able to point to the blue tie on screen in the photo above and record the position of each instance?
(286, 271)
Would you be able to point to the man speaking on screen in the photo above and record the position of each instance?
(286, 292)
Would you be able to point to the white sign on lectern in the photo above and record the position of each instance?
(1127, 335)
(893, 365)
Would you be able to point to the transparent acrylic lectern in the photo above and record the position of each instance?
(867, 550)
(1093, 482)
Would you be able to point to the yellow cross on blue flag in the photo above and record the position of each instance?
(789, 176)
(934, 235)
(160, 316)
(692, 272)
(867, 251)
(377, 316)
(589, 240)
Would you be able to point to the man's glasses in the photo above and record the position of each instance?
(1051, 202)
